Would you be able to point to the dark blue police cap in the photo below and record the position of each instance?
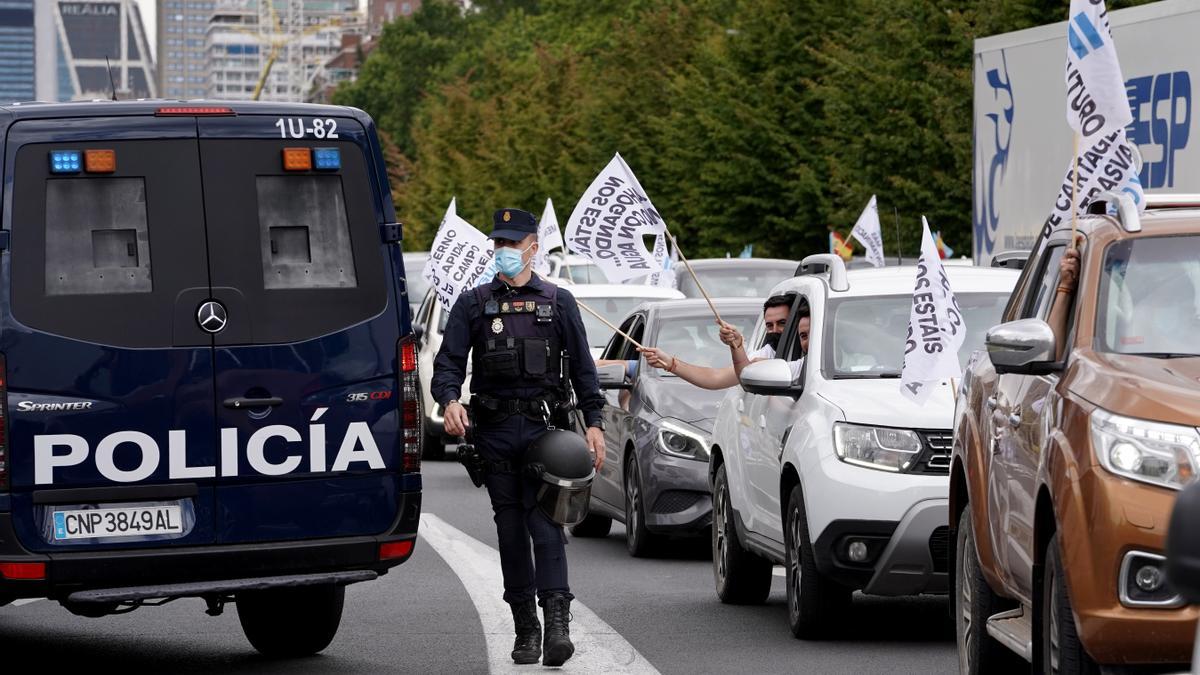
(513, 224)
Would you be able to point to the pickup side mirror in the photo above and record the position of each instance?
(772, 377)
(612, 376)
(1183, 544)
(1022, 347)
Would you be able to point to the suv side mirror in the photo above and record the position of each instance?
(612, 376)
(1183, 546)
(772, 377)
(418, 332)
(1022, 347)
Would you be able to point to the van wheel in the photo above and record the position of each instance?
(974, 603)
(816, 604)
(593, 525)
(742, 578)
(291, 622)
(1062, 652)
(639, 541)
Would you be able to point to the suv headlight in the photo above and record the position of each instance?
(1151, 452)
(681, 440)
(876, 447)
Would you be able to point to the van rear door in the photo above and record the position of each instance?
(110, 379)
(306, 380)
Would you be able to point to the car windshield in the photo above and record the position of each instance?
(586, 274)
(867, 334)
(613, 309)
(734, 280)
(697, 338)
(1147, 301)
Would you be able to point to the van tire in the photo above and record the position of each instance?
(592, 526)
(291, 622)
(741, 577)
(1058, 622)
(816, 604)
(973, 604)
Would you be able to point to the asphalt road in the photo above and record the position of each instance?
(429, 616)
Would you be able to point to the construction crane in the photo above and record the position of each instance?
(279, 38)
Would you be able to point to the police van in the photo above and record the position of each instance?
(208, 380)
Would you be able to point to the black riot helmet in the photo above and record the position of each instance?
(560, 460)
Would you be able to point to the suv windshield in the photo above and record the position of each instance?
(698, 338)
(866, 336)
(1148, 297)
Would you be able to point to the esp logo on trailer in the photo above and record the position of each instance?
(1162, 116)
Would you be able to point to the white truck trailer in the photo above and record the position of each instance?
(1022, 141)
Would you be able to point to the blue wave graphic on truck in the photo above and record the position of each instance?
(991, 156)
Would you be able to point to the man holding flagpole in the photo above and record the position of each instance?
(529, 347)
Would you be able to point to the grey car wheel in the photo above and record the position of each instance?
(639, 541)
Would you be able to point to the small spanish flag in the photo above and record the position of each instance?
(839, 246)
(943, 250)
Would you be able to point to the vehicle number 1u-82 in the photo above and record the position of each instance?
(298, 127)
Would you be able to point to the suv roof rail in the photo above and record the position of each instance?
(1173, 201)
(821, 263)
(1127, 211)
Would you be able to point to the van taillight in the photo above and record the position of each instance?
(4, 472)
(410, 403)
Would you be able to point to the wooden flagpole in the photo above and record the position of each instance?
(693, 273)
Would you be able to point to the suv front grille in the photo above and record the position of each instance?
(935, 456)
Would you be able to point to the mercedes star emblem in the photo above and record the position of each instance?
(211, 316)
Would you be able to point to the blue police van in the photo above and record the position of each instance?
(208, 380)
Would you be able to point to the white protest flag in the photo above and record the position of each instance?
(549, 238)
(609, 222)
(935, 327)
(664, 262)
(1107, 166)
(451, 212)
(461, 258)
(1097, 104)
(869, 233)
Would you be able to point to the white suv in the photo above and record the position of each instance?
(837, 476)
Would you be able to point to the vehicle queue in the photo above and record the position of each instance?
(1036, 491)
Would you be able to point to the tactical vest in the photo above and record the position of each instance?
(519, 346)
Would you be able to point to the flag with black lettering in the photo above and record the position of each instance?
(1097, 104)
(461, 258)
(935, 326)
(1108, 166)
(869, 233)
(610, 222)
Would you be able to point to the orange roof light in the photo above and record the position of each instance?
(297, 159)
(99, 161)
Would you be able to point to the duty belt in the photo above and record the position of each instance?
(534, 407)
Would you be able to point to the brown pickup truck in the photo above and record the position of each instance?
(1071, 443)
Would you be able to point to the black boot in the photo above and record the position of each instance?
(527, 647)
(558, 648)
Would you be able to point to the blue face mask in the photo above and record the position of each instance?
(510, 262)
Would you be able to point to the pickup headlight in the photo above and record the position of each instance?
(681, 440)
(876, 447)
(1151, 452)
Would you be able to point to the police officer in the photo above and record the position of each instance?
(527, 344)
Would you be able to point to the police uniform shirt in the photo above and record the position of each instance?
(467, 321)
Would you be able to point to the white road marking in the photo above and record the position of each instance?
(24, 601)
(598, 648)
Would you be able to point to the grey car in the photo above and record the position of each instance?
(734, 277)
(655, 475)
